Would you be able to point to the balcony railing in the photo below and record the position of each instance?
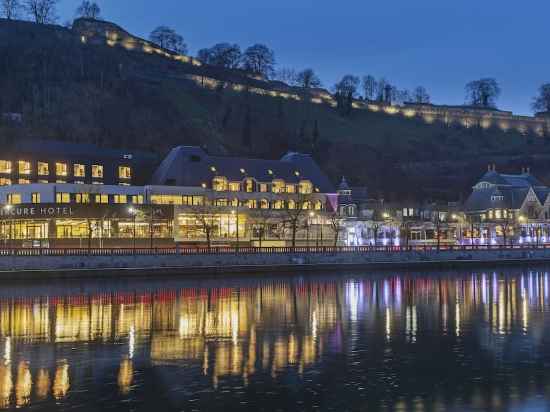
(203, 250)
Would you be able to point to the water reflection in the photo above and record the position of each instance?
(400, 342)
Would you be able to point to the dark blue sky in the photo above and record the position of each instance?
(440, 44)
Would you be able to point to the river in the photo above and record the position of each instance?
(418, 341)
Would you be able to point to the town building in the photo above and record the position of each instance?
(507, 208)
(54, 198)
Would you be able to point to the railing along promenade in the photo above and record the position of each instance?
(171, 251)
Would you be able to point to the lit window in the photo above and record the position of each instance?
(291, 204)
(78, 182)
(97, 171)
(278, 186)
(43, 169)
(263, 187)
(121, 199)
(319, 205)
(97, 183)
(79, 170)
(61, 197)
(234, 186)
(60, 181)
(4, 181)
(264, 204)
(305, 187)
(102, 199)
(82, 198)
(124, 172)
(42, 181)
(24, 167)
(61, 169)
(219, 184)
(278, 204)
(290, 189)
(35, 197)
(235, 202)
(14, 198)
(137, 199)
(249, 185)
(124, 184)
(221, 202)
(24, 181)
(5, 166)
(306, 205)
(252, 204)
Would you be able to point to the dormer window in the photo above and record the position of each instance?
(278, 186)
(483, 185)
(305, 187)
(497, 198)
(219, 184)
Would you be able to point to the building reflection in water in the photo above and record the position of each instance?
(270, 327)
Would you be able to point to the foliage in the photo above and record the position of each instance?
(541, 103)
(221, 55)
(89, 10)
(259, 59)
(483, 92)
(308, 79)
(168, 39)
(42, 11)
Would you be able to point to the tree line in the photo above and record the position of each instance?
(260, 59)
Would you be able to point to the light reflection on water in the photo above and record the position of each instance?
(419, 342)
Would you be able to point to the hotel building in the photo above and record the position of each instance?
(57, 194)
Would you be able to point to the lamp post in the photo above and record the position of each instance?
(310, 217)
(151, 226)
(133, 212)
(236, 214)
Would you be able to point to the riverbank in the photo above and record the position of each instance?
(18, 267)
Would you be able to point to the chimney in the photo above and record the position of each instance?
(494, 167)
(489, 167)
(528, 170)
(523, 170)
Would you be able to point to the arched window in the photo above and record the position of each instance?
(278, 186)
(306, 205)
(252, 204)
(264, 204)
(291, 204)
(305, 187)
(319, 205)
(249, 185)
(278, 204)
(235, 202)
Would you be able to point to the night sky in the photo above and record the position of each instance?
(436, 43)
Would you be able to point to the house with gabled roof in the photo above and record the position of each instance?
(507, 206)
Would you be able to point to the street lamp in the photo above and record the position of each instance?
(236, 214)
(133, 212)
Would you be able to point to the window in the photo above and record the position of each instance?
(35, 197)
(43, 169)
(61, 197)
(61, 169)
(290, 189)
(124, 172)
(234, 202)
(219, 184)
(60, 181)
(249, 185)
(24, 181)
(5, 166)
(137, 199)
(4, 181)
(252, 204)
(120, 199)
(278, 186)
(306, 205)
(166, 199)
(102, 199)
(498, 214)
(97, 171)
(14, 198)
(42, 181)
(82, 198)
(263, 187)
(97, 183)
(264, 204)
(78, 182)
(291, 204)
(497, 198)
(305, 187)
(79, 170)
(319, 206)
(278, 204)
(234, 186)
(221, 202)
(24, 167)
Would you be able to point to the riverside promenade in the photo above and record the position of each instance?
(117, 262)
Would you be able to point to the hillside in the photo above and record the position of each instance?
(70, 90)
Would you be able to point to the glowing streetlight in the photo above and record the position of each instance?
(133, 212)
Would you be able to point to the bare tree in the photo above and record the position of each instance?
(347, 85)
(337, 226)
(420, 95)
(294, 218)
(168, 39)
(286, 75)
(261, 218)
(308, 79)
(369, 87)
(483, 92)
(10, 8)
(381, 87)
(259, 59)
(89, 10)
(541, 103)
(42, 11)
(222, 55)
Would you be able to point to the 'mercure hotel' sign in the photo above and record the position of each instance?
(37, 211)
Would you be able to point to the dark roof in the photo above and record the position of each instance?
(82, 150)
(192, 166)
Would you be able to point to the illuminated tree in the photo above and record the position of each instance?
(541, 103)
(369, 87)
(10, 8)
(483, 92)
(168, 39)
(89, 10)
(259, 59)
(420, 95)
(308, 79)
(42, 11)
(222, 55)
